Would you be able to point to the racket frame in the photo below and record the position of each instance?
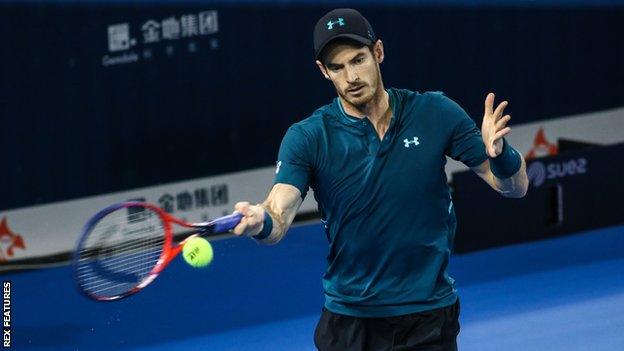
(169, 252)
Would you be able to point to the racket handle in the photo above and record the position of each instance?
(226, 223)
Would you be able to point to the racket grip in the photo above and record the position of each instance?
(226, 223)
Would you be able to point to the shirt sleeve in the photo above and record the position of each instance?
(466, 144)
(294, 165)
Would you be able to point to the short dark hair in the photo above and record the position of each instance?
(344, 41)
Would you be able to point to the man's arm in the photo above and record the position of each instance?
(280, 206)
(515, 186)
(505, 170)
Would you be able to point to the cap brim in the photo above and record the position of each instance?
(355, 37)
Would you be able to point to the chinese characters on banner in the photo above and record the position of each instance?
(166, 30)
(196, 199)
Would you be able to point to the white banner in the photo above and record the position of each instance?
(54, 228)
(540, 138)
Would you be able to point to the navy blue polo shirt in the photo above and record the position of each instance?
(386, 204)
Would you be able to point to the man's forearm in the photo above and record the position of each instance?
(514, 186)
(281, 218)
(268, 222)
(279, 227)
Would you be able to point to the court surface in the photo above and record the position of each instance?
(560, 294)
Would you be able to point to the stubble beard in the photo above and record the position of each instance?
(359, 101)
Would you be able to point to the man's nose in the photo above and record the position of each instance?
(352, 75)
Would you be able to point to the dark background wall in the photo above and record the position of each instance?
(72, 127)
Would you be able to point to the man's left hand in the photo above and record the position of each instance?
(494, 127)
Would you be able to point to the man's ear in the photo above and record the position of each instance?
(323, 69)
(378, 51)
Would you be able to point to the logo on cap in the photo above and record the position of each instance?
(340, 22)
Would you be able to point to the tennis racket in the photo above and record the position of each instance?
(124, 247)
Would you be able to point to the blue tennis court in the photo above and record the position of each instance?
(394, 121)
(560, 294)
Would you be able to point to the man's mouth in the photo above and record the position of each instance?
(355, 89)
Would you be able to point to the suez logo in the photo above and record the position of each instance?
(168, 30)
(539, 172)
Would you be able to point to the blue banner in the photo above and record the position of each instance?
(96, 99)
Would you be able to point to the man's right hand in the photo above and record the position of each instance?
(281, 204)
(252, 221)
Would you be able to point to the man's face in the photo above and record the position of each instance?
(354, 71)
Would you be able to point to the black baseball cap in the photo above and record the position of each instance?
(342, 23)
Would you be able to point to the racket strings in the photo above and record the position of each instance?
(126, 264)
(120, 252)
(121, 271)
(118, 247)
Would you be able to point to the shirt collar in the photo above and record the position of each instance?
(345, 118)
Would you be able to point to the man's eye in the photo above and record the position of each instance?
(359, 60)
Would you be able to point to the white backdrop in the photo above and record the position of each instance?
(54, 228)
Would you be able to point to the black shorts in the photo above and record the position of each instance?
(434, 330)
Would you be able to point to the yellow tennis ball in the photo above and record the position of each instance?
(197, 252)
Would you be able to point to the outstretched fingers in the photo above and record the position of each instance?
(499, 110)
(502, 123)
(489, 104)
(501, 133)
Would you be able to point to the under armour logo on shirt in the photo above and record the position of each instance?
(408, 142)
(340, 22)
(279, 164)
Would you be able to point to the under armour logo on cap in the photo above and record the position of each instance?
(333, 25)
(340, 22)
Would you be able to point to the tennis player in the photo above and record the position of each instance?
(375, 159)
